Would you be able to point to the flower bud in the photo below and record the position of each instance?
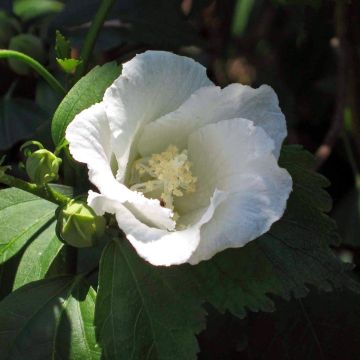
(42, 166)
(78, 225)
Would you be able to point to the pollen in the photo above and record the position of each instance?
(168, 172)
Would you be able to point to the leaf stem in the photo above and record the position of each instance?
(36, 66)
(92, 35)
(45, 192)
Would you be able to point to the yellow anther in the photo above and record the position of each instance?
(172, 174)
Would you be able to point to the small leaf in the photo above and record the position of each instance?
(30, 9)
(49, 319)
(38, 257)
(86, 92)
(22, 217)
(146, 312)
(68, 65)
(62, 46)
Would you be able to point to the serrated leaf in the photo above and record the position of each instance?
(19, 118)
(22, 217)
(38, 256)
(293, 254)
(145, 312)
(62, 46)
(68, 65)
(49, 319)
(86, 92)
(30, 9)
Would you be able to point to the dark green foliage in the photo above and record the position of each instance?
(19, 119)
(144, 312)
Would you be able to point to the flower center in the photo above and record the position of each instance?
(167, 173)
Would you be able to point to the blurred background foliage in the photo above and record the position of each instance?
(307, 50)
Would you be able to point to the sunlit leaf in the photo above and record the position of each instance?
(22, 217)
(68, 65)
(38, 257)
(86, 92)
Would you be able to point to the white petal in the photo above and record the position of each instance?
(89, 139)
(211, 105)
(159, 247)
(151, 85)
(236, 157)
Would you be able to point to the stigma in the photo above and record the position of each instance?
(167, 174)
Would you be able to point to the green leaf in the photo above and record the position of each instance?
(38, 257)
(22, 217)
(31, 9)
(68, 65)
(86, 92)
(62, 46)
(145, 312)
(293, 254)
(49, 319)
(19, 118)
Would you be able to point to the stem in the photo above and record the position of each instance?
(92, 35)
(36, 66)
(45, 192)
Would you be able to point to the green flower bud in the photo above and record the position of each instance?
(42, 166)
(78, 225)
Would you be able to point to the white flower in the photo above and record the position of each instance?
(189, 169)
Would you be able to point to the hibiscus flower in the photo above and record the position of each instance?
(188, 169)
